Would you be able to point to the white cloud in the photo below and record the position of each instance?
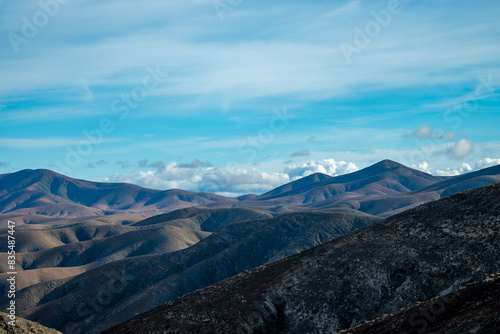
(422, 166)
(423, 132)
(326, 166)
(461, 149)
(234, 180)
(350, 7)
(464, 168)
(448, 136)
(486, 162)
(291, 54)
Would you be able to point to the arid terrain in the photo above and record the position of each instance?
(315, 255)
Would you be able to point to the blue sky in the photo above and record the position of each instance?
(242, 96)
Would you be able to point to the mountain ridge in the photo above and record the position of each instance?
(382, 189)
(46, 192)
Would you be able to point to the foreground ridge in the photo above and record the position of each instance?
(474, 308)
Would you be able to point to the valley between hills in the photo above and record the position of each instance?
(359, 253)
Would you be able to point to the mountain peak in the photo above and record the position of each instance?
(388, 164)
(385, 166)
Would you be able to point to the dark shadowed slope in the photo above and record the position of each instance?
(414, 256)
(474, 308)
(45, 192)
(148, 281)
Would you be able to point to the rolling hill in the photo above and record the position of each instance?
(83, 244)
(383, 189)
(143, 282)
(48, 193)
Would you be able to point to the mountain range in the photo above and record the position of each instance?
(381, 189)
(91, 255)
(48, 193)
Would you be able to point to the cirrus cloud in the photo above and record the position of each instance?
(426, 132)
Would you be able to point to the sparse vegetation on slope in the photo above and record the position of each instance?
(23, 326)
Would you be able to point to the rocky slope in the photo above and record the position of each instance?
(23, 327)
(414, 256)
(474, 308)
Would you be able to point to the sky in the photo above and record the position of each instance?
(241, 96)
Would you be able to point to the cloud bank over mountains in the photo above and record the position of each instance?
(238, 180)
(227, 180)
